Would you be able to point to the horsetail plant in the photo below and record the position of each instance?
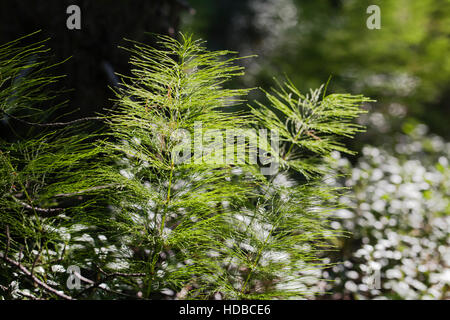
(176, 195)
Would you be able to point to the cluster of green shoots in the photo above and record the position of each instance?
(112, 198)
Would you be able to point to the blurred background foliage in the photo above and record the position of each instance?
(399, 218)
(405, 65)
(398, 221)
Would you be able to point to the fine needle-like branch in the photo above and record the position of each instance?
(71, 194)
(52, 124)
(35, 261)
(37, 209)
(121, 274)
(8, 241)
